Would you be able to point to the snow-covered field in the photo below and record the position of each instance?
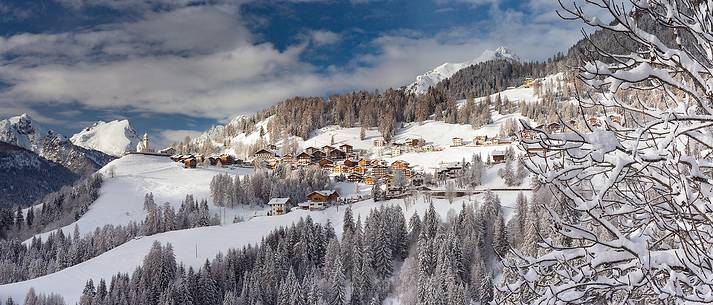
(193, 246)
(121, 199)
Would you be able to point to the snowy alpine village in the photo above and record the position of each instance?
(157, 152)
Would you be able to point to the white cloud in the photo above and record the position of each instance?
(324, 37)
(202, 61)
(165, 138)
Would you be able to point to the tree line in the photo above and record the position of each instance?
(23, 261)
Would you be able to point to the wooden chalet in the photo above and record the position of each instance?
(336, 154)
(213, 160)
(350, 163)
(318, 155)
(288, 158)
(304, 158)
(401, 166)
(225, 159)
(480, 140)
(450, 170)
(355, 178)
(264, 155)
(379, 143)
(379, 171)
(310, 150)
(370, 180)
(324, 163)
(280, 206)
(190, 163)
(376, 162)
(326, 149)
(615, 118)
(415, 142)
(346, 148)
(363, 162)
(318, 200)
(498, 156)
(340, 169)
(359, 170)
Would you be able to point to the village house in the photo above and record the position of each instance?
(167, 151)
(336, 154)
(325, 163)
(428, 148)
(370, 180)
(319, 200)
(393, 192)
(379, 171)
(363, 162)
(415, 142)
(401, 166)
(480, 140)
(318, 155)
(225, 159)
(379, 143)
(304, 158)
(504, 140)
(288, 158)
(340, 169)
(190, 163)
(498, 156)
(280, 206)
(350, 163)
(450, 170)
(395, 151)
(355, 178)
(456, 141)
(529, 82)
(264, 155)
(527, 134)
(310, 150)
(377, 162)
(346, 148)
(213, 160)
(326, 149)
(359, 170)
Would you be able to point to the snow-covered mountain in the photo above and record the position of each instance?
(446, 70)
(22, 131)
(112, 138)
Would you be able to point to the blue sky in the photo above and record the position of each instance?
(175, 67)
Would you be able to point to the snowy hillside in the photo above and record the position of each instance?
(192, 247)
(122, 197)
(113, 138)
(446, 70)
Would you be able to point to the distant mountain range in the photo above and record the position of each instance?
(48, 159)
(446, 70)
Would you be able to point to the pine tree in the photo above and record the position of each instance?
(30, 217)
(19, 218)
(338, 285)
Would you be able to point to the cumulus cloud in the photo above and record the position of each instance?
(203, 61)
